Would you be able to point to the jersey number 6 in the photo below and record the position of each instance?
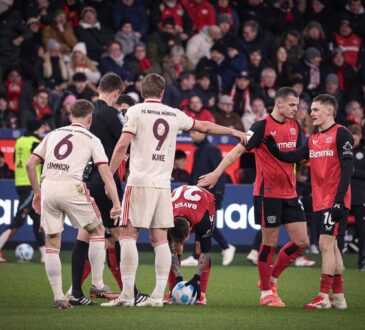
(64, 142)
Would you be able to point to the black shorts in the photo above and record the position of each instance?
(329, 227)
(104, 204)
(273, 212)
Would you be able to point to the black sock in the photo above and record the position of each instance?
(79, 255)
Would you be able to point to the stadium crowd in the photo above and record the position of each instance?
(222, 60)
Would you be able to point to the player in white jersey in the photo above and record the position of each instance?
(151, 129)
(65, 153)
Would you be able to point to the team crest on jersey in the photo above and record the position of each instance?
(329, 139)
(293, 131)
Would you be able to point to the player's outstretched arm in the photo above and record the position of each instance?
(32, 163)
(212, 128)
(203, 262)
(210, 179)
(176, 252)
(294, 156)
(120, 151)
(111, 188)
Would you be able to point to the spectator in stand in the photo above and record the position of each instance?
(7, 118)
(242, 93)
(355, 115)
(72, 9)
(358, 192)
(314, 36)
(18, 91)
(254, 37)
(81, 63)
(62, 115)
(92, 33)
(61, 31)
(225, 116)
(268, 87)
(297, 84)
(347, 76)
(303, 118)
(288, 14)
(139, 63)
(349, 42)
(199, 45)
(174, 64)
(201, 12)
(39, 109)
(162, 40)
(332, 88)
(213, 64)
(255, 65)
(41, 9)
(13, 33)
(179, 174)
(174, 9)
(80, 87)
(280, 64)
(258, 111)
(204, 90)
(224, 21)
(355, 13)
(5, 171)
(134, 90)
(222, 7)
(104, 10)
(127, 37)
(178, 94)
(133, 10)
(113, 61)
(197, 111)
(310, 69)
(54, 67)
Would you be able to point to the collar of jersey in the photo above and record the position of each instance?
(327, 129)
(153, 100)
(277, 121)
(77, 124)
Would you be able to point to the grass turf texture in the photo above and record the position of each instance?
(26, 300)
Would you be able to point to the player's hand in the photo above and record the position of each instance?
(36, 204)
(271, 145)
(195, 282)
(178, 279)
(208, 180)
(241, 136)
(115, 214)
(337, 212)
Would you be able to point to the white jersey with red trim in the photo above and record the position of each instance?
(66, 151)
(154, 127)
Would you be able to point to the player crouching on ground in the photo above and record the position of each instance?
(65, 153)
(194, 210)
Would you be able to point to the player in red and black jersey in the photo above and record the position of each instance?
(194, 210)
(275, 198)
(330, 153)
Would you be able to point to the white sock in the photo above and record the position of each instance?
(273, 279)
(128, 266)
(265, 293)
(338, 296)
(325, 295)
(97, 255)
(53, 270)
(4, 237)
(42, 250)
(162, 268)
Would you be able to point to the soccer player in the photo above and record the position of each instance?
(24, 147)
(107, 126)
(65, 153)
(194, 211)
(331, 163)
(275, 198)
(151, 128)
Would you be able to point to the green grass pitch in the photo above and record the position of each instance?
(26, 300)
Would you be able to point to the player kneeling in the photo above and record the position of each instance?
(194, 210)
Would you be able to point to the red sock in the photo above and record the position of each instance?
(326, 283)
(204, 278)
(266, 256)
(288, 253)
(114, 266)
(337, 284)
(171, 280)
(86, 271)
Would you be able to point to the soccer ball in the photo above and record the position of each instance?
(24, 252)
(183, 295)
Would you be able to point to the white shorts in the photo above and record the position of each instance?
(67, 197)
(147, 207)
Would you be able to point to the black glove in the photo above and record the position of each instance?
(337, 212)
(177, 280)
(271, 145)
(195, 282)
